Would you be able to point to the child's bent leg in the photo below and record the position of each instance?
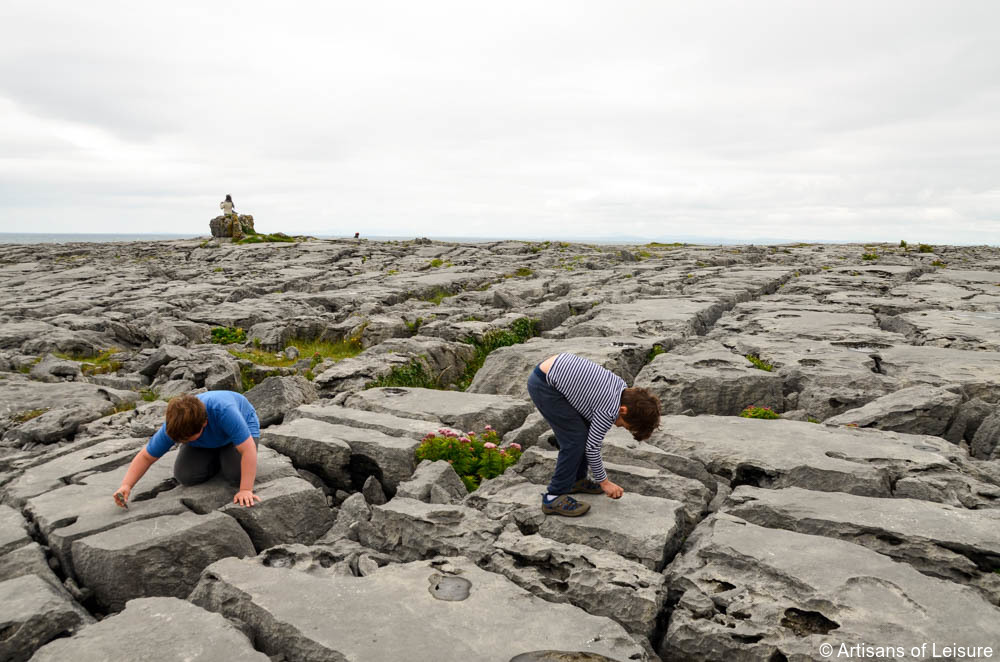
(230, 459)
(195, 465)
(570, 429)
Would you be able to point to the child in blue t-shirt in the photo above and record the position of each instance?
(214, 429)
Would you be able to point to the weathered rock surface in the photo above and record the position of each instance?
(433, 482)
(644, 529)
(32, 613)
(597, 580)
(274, 397)
(156, 630)
(316, 615)
(465, 411)
(742, 600)
(958, 544)
(411, 530)
(897, 345)
(163, 556)
(916, 410)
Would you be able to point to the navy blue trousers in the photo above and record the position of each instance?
(571, 431)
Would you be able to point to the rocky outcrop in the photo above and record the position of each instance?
(734, 539)
(235, 226)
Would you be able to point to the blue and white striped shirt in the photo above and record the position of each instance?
(594, 392)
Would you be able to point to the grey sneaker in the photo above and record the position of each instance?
(565, 505)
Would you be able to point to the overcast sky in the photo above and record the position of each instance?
(795, 120)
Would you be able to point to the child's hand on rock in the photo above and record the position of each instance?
(611, 490)
(121, 496)
(245, 498)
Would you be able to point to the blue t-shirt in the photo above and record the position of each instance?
(231, 419)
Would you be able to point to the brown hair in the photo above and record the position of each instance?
(642, 413)
(186, 415)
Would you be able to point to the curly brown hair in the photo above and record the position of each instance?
(186, 415)
(642, 412)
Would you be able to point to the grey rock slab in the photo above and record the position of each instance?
(978, 373)
(444, 361)
(957, 544)
(642, 528)
(784, 592)
(32, 613)
(312, 445)
(598, 581)
(83, 509)
(506, 370)
(29, 559)
(291, 511)
(778, 453)
(155, 630)
(309, 616)
(320, 448)
(13, 530)
(355, 372)
(538, 466)
(985, 441)
(19, 394)
(914, 410)
(394, 426)
(54, 369)
(665, 320)
(162, 556)
(710, 379)
(969, 417)
(274, 397)
(411, 530)
(977, 330)
(433, 482)
(61, 470)
(466, 411)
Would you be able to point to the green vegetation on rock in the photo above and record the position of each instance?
(759, 363)
(760, 412)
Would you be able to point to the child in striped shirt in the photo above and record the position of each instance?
(581, 401)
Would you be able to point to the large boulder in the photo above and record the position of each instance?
(274, 397)
(163, 556)
(235, 226)
(915, 410)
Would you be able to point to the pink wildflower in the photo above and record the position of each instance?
(489, 444)
(516, 445)
(489, 428)
(465, 440)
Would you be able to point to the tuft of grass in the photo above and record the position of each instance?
(217, 270)
(436, 262)
(277, 237)
(925, 248)
(522, 272)
(101, 364)
(902, 243)
(319, 350)
(437, 296)
(520, 331)
(412, 374)
(414, 326)
(227, 335)
(939, 263)
(120, 407)
(654, 352)
(810, 419)
(26, 416)
(759, 363)
(148, 394)
(760, 412)
(869, 256)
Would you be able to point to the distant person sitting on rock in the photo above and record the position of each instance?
(581, 401)
(217, 430)
(227, 205)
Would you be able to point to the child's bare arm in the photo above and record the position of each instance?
(140, 464)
